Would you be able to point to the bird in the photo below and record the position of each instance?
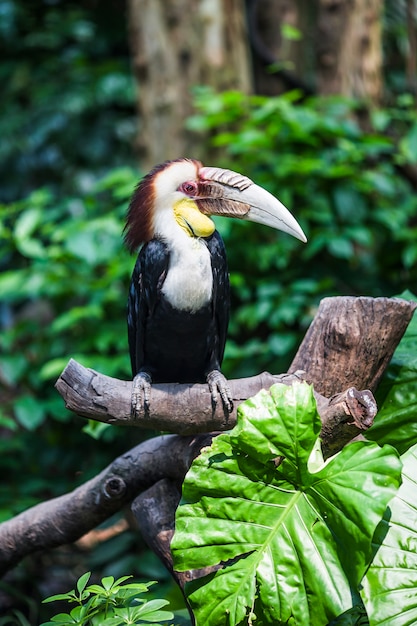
(178, 303)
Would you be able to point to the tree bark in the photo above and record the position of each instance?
(177, 45)
(349, 49)
(349, 343)
(186, 409)
(349, 338)
(344, 417)
(154, 512)
(352, 339)
(67, 518)
(178, 408)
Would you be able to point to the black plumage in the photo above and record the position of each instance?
(169, 344)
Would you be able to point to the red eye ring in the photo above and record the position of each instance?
(189, 187)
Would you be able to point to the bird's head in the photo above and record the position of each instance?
(180, 195)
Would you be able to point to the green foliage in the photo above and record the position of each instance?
(68, 119)
(65, 274)
(395, 422)
(67, 98)
(389, 587)
(285, 525)
(113, 603)
(345, 184)
(64, 279)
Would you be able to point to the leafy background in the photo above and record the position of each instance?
(68, 169)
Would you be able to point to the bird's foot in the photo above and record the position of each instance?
(141, 394)
(218, 384)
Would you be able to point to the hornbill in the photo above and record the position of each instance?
(178, 306)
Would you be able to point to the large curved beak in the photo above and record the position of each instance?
(233, 195)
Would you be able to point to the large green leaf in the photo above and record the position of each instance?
(390, 585)
(295, 536)
(396, 420)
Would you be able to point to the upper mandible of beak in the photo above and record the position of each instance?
(233, 195)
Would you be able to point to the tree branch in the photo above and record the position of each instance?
(68, 517)
(346, 415)
(154, 512)
(350, 340)
(181, 409)
(328, 353)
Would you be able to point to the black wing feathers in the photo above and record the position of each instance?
(145, 287)
(221, 291)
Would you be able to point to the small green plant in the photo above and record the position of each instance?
(112, 603)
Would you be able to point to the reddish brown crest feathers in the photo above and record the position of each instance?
(139, 227)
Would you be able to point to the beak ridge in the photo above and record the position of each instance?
(247, 201)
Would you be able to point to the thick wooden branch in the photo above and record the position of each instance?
(68, 517)
(181, 409)
(351, 341)
(328, 353)
(345, 416)
(154, 512)
(85, 392)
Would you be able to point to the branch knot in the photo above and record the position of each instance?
(114, 487)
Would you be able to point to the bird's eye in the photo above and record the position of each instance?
(189, 187)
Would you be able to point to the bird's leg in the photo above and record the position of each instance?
(141, 394)
(218, 383)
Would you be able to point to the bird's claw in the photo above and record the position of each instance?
(141, 394)
(218, 384)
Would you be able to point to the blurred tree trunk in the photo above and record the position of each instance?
(179, 44)
(176, 45)
(280, 43)
(411, 60)
(345, 53)
(349, 54)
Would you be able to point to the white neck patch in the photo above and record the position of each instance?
(188, 285)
